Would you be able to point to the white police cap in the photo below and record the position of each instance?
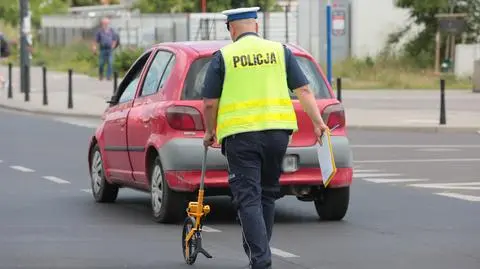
(241, 13)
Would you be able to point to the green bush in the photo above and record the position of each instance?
(79, 57)
(124, 58)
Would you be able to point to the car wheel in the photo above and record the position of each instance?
(332, 203)
(167, 205)
(102, 190)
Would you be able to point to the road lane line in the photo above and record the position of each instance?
(416, 146)
(22, 168)
(420, 160)
(210, 230)
(56, 180)
(470, 198)
(282, 253)
(87, 190)
(437, 149)
(393, 180)
(449, 186)
(365, 171)
(360, 175)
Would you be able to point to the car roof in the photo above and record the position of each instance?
(205, 47)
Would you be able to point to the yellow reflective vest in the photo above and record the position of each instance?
(255, 93)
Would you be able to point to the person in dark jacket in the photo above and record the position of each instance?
(106, 39)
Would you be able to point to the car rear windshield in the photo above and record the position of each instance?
(196, 76)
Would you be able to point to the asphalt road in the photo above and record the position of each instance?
(402, 213)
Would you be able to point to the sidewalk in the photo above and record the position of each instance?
(413, 110)
(89, 94)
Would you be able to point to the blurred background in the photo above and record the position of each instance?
(375, 43)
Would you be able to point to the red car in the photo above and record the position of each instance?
(150, 138)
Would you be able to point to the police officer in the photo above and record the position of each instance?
(248, 110)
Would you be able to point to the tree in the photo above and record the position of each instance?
(178, 6)
(423, 12)
(10, 10)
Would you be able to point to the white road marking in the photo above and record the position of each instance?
(421, 121)
(210, 230)
(437, 149)
(282, 253)
(420, 160)
(470, 198)
(56, 180)
(87, 190)
(416, 146)
(365, 171)
(450, 186)
(374, 175)
(393, 180)
(22, 168)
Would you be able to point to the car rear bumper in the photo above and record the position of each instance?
(185, 154)
(218, 179)
(182, 159)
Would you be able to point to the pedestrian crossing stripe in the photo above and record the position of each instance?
(450, 186)
(393, 180)
(470, 198)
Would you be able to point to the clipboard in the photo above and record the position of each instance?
(326, 159)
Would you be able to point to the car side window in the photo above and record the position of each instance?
(128, 86)
(167, 72)
(155, 73)
(130, 90)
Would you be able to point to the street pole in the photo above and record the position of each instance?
(329, 41)
(25, 40)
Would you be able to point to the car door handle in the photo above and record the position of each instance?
(146, 120)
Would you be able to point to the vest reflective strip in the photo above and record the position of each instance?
(253, 119)
(254, 104)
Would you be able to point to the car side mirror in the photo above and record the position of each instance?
(111, 100)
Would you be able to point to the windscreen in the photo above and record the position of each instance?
(196, 75)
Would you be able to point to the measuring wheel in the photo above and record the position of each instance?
(192, 227)
(189, 246)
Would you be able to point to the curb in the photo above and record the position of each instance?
(50, 113)
(418, 129)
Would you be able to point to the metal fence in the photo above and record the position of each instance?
(146, 29)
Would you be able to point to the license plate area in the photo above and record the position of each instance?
(290, 163)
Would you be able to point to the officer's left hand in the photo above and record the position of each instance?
(319, 131)
(209, 139)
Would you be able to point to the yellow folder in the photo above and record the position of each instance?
(326, 158)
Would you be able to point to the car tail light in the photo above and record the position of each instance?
(334, 116)
(184, 118)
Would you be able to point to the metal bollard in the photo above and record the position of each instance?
(339, 89)
(45, 97)
(27, 87)
(70, 97)
(10, 91)
(443, 119)
(115, 81)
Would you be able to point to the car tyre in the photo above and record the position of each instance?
(168, 206)
(102, 190)
(332, 203)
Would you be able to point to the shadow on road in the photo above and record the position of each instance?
(136, 209)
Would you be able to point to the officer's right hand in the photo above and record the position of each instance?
(208, 139)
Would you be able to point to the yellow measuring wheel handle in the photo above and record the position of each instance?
(196, 211)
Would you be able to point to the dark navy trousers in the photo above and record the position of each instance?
(255, 164)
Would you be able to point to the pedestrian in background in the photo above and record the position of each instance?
(107, 40)
(246, 98)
